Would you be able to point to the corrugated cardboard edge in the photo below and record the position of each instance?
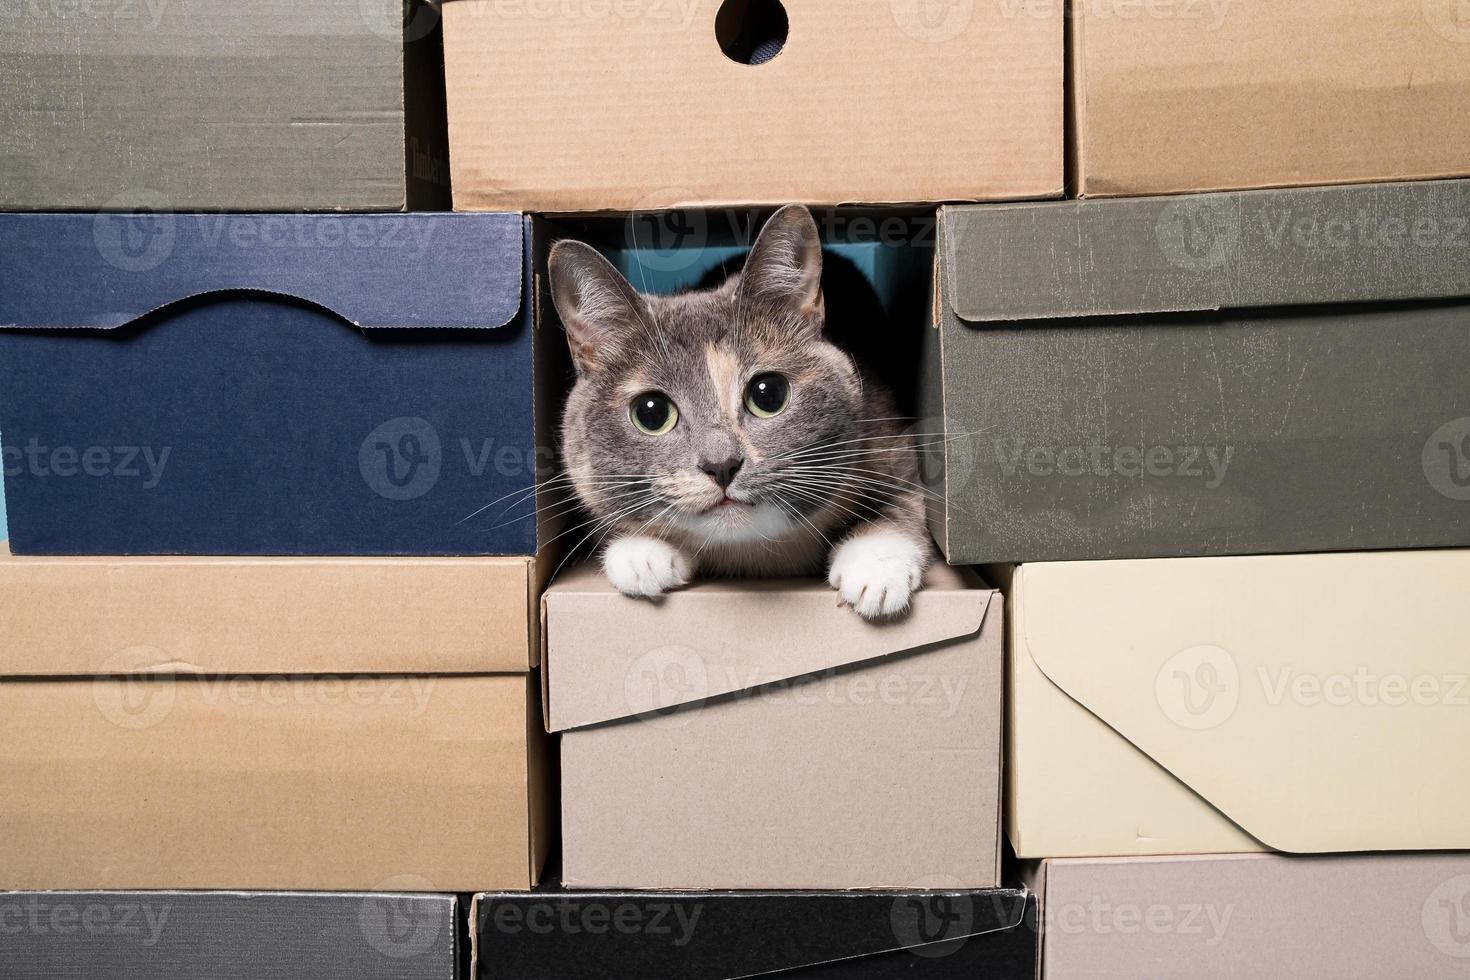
(936, 389)
(1033, 877)
(1074, 73)
(542, 782)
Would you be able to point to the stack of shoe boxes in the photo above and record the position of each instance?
(257, 633)
(305, 672)
(1226, 502)
(754, 778)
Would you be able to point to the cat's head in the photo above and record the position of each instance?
(689, 411)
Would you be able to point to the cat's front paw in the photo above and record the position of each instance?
(645, 567)
(876, 574)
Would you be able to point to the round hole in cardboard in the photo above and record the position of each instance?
(751, 32)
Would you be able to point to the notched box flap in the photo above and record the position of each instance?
(1359, 243)
(609, 657)
(1316, 700)
(376, 271)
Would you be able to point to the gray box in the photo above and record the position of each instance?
(271, 105)
(229, 935)
(1217, 374)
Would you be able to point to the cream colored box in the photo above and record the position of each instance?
(757, 735)
(351, 724)
(1299, 703)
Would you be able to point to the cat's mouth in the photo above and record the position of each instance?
(725, 505)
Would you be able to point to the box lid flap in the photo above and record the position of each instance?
(374, 270)
(1315, 245)
(1319, 701)
(609, 657)
(707, 934)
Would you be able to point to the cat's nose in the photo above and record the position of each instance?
(723, 472)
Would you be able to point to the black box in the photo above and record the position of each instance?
(929, 935)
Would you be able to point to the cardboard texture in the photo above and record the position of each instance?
(84, 616)
(267, 385)
(879, 103)
(230, 935)
(341, 782)
(1248, 916)
(1262, 372)
(1220, 95)
(756, 735)
(311, 724)
(214, 105)
(1298, 703)
(929, 935)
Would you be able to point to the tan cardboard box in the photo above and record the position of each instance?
(593, 105)
(1299, 703)
(312, 724)
(756, 735)
(1244, 917)
(1201, 95)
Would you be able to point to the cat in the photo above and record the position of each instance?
(720, 431)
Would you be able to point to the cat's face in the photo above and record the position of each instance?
(706, 412)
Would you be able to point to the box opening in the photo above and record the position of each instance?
(751, 32)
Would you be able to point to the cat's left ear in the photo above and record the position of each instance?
(783, 275)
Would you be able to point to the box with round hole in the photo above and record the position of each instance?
(617, 105)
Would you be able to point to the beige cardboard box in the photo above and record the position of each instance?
(1300, 703)
(756, 735)
(1199, 95)
(312, 724)
(595, 105)
(1244, 917)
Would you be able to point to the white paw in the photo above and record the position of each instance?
(877, 573)
(645, 566)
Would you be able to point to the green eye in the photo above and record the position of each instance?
(654, 413)
(767, 395)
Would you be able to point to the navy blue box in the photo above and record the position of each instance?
(221, 384)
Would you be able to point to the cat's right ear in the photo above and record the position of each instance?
(597, 306)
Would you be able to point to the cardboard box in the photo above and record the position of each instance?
(258, 385)
(214, 105)
(262, 724)
(927, 935)
(1213, 705)
(1235, 94)
(755, 735)
(276, 935)
(1247, 916)
(870, 102)
(1261, 372)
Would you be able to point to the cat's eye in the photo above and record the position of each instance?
(654, 413)
(767, 395)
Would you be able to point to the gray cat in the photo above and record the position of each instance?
(720, 432)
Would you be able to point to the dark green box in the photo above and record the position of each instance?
(1216, 374)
